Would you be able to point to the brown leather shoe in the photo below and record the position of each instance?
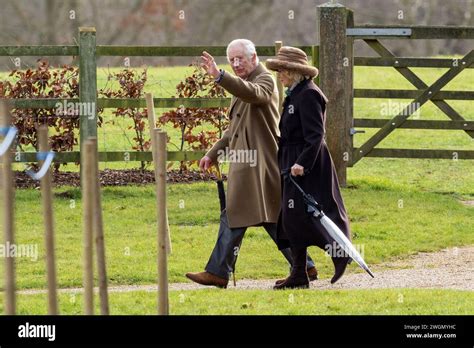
(312, 275)
(206, 278)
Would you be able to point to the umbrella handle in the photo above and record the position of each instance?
(308, 199)
(287, 175)
(218, 172)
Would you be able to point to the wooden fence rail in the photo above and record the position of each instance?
(111, 156)
(125, 102)
(130, 51)
(88, 53)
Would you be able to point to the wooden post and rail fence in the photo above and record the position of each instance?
(335, 59)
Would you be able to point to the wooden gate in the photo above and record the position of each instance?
(337, 21)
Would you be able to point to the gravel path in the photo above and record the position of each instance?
(451, 268)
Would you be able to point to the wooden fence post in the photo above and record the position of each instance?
(47, 200)
(88, 188)
(87, 85)
(99, 231)
(7, 202)
(93, 231)
(150, 107)
(315, 61)
(160, 176)
(281, 97)
(336, 70)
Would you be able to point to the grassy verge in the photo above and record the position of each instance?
(263, 302)
(388, 221)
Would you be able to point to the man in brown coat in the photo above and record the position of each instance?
(250, 145)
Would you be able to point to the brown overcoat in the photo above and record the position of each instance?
(253, 184)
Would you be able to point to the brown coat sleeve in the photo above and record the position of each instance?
(257, 92)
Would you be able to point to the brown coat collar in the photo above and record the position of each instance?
(253, 75)
(257, 71)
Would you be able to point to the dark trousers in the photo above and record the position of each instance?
(224, 256)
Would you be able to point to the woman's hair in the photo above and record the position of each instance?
(249, 47)
(296, 77)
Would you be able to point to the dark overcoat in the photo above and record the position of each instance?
(302, 128)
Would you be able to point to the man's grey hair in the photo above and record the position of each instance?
(249, 47)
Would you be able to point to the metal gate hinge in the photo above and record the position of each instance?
(355, 131)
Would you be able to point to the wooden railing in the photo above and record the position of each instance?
(88, 52)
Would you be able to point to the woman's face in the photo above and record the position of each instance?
(284, 78)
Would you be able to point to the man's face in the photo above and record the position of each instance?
(241, 63)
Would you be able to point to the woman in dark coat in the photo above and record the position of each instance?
(302, 148)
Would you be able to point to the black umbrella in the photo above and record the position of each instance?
(220, 188)
(334, 231)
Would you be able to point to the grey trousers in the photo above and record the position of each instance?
(224, 256)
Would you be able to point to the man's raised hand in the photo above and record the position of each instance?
(209, 64)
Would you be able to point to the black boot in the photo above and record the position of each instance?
(312, 275)
(340, 265)
(298, 277)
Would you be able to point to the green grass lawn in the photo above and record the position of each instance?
(383, 227)
(262, 302)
